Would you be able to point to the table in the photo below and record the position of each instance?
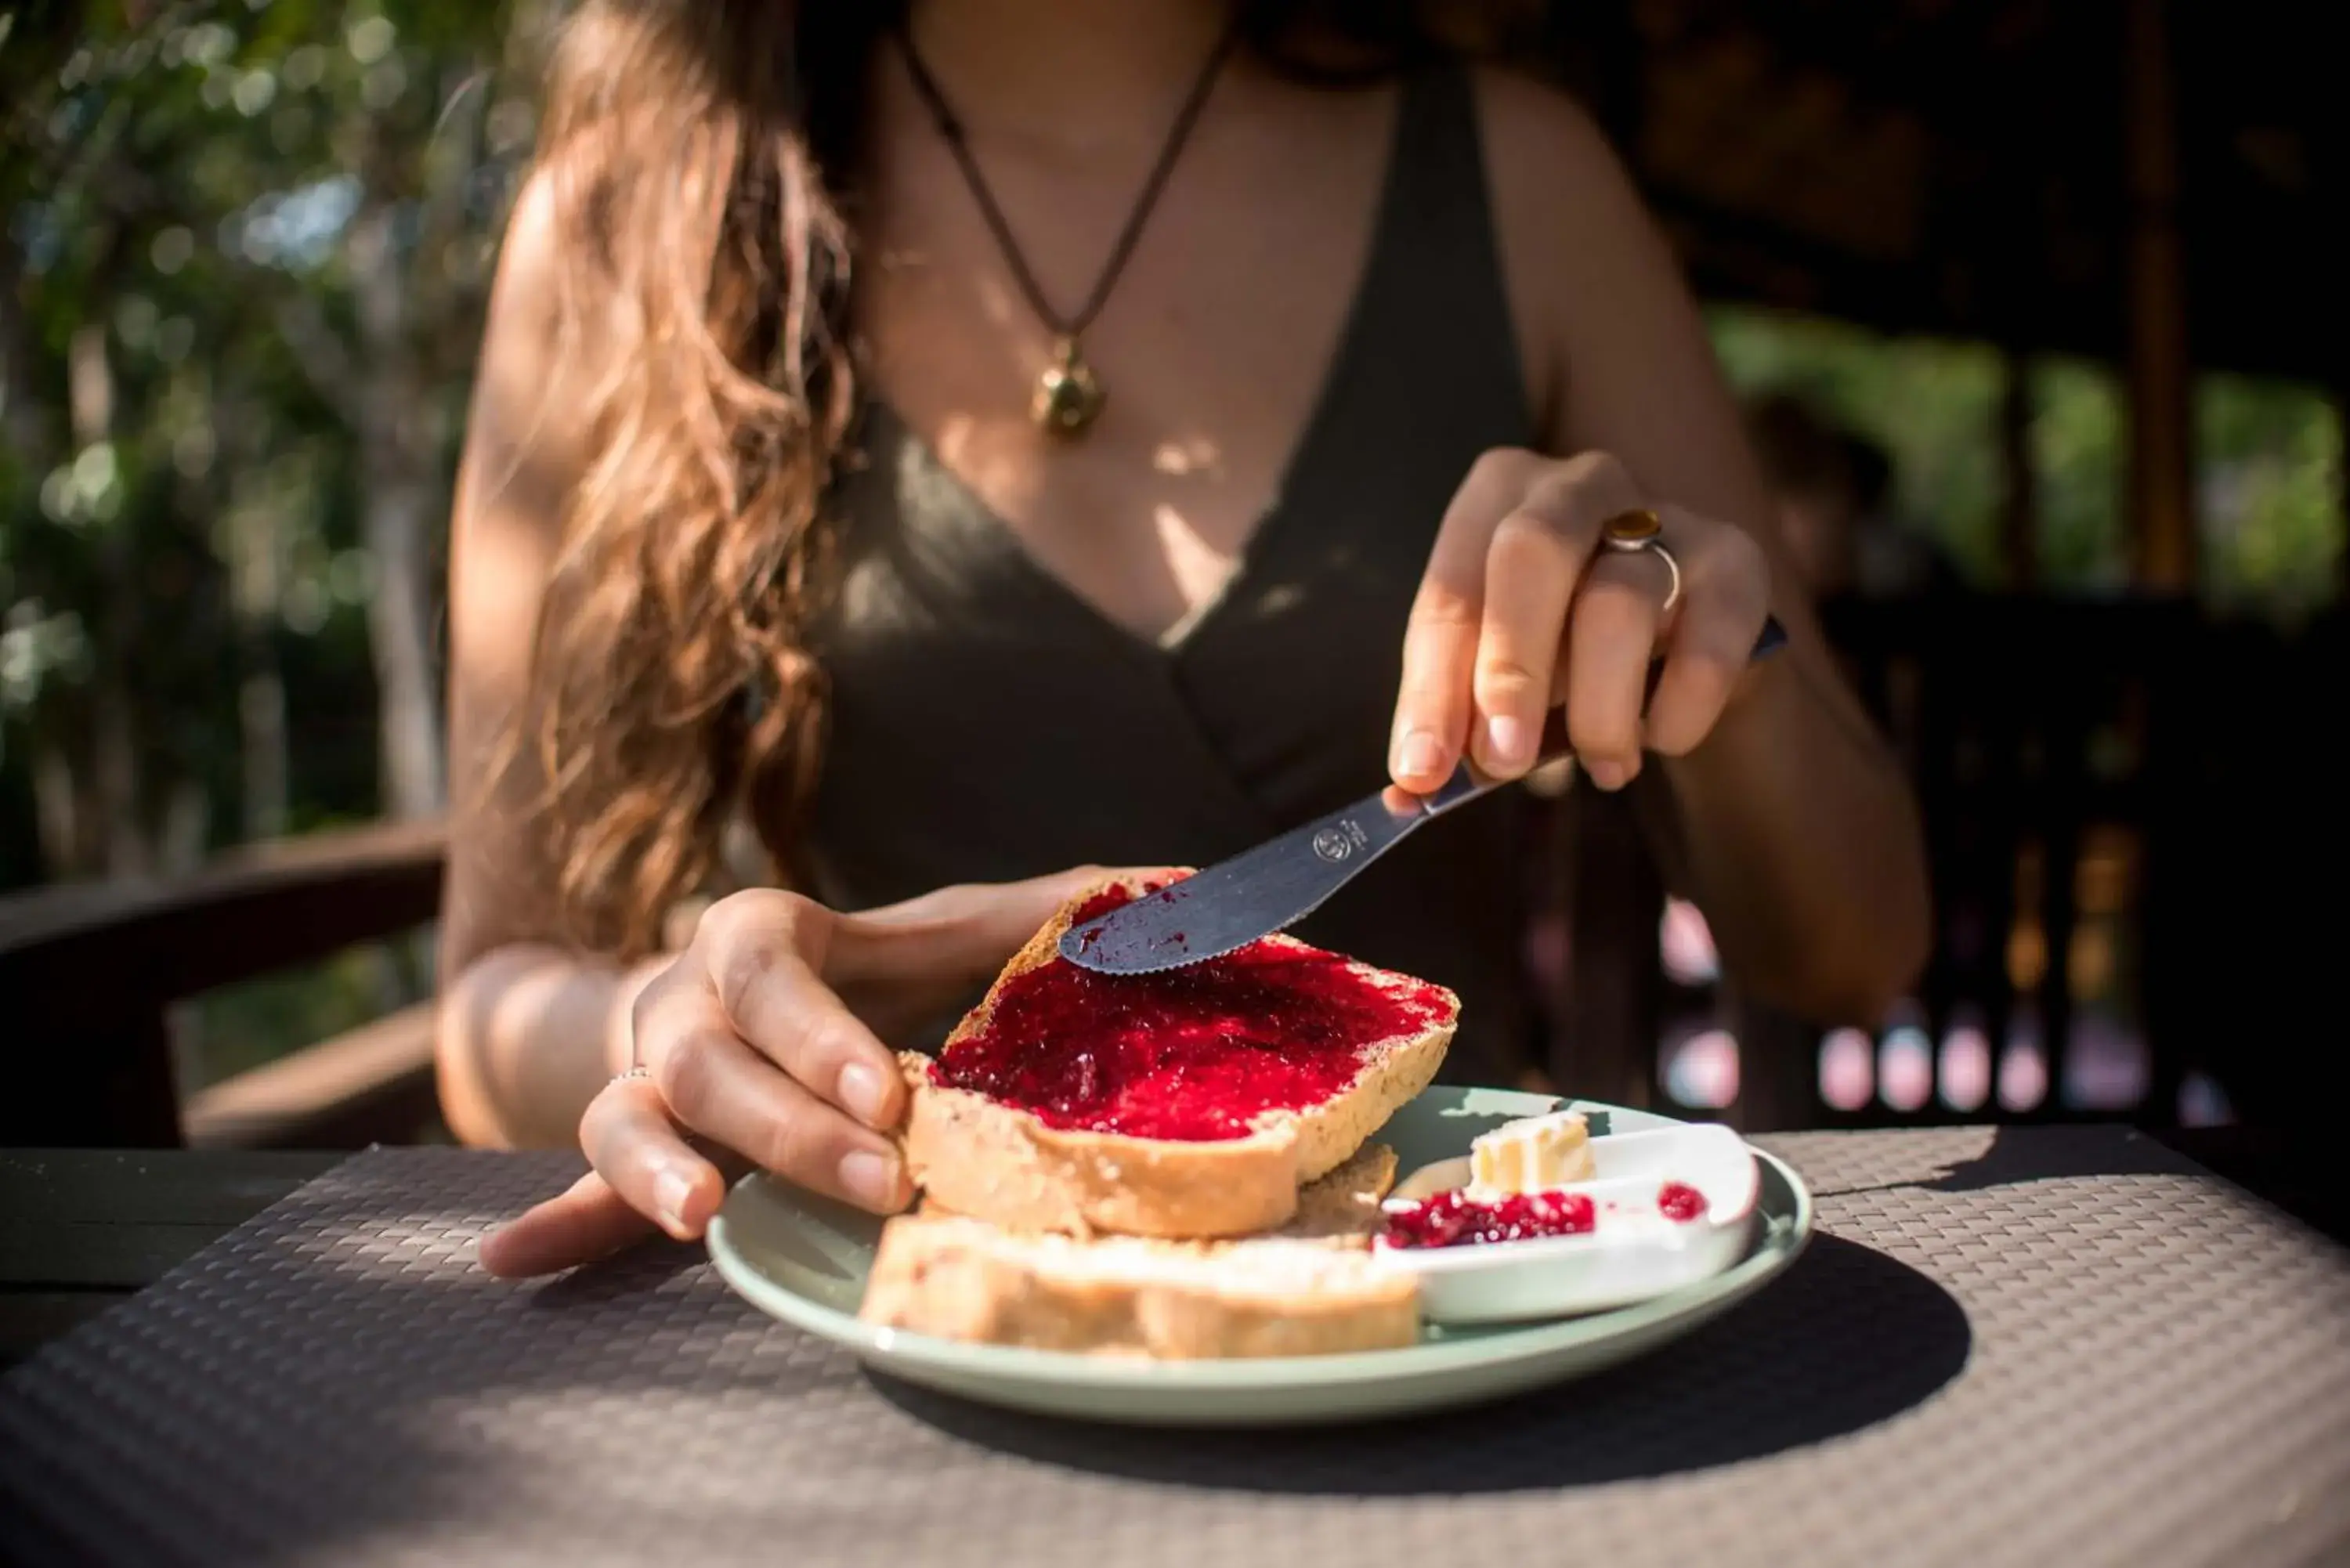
(83, 1230)
(2006, 1345)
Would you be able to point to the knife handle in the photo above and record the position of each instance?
(1469, 781)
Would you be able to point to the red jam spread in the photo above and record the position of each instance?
(1193, 1053)
(1678, 1201)
(1456, 1219)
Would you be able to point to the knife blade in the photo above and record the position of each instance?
(1285, 879)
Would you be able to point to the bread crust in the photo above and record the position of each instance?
(982, 1159)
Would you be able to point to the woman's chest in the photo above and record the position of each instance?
(951, 652)
(1215, 341)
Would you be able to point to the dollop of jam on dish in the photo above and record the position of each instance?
(1678, 1201)
(1195, 1053)
(1456, 1219)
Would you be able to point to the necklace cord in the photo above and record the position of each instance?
(953, 131)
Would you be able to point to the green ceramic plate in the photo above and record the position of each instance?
(804, 1258)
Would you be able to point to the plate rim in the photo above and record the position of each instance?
(1775, 1249)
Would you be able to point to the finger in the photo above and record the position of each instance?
(1610, 640)
(587, 1221)
(638, 1151)
(762, 952)
(1439, 641)
(1537, 558)
(719, 1087)
(1725, 599)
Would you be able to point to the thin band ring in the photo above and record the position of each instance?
(1641, 532)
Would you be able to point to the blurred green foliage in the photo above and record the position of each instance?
(2271, 501)
(244, 250)
(2268, 457)
(1928, 404)
(243, 253)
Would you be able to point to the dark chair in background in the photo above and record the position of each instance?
(93, 974)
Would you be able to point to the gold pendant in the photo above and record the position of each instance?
(1067, 397)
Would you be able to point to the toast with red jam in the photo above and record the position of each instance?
(1192, 1103)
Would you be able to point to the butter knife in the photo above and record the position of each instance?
(1281, 881)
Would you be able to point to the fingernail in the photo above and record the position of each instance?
(871, 1179)
(863, 1092)
(673, 1189)
(1606, 775)
(1505, 742)
(1419, 754)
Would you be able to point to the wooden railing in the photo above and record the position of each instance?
(91, 974)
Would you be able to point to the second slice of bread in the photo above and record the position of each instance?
(990, 1160)
(1131, 1295)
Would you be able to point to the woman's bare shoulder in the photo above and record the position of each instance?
(1572, 226)
(1521, 103)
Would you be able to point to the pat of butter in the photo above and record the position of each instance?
(1533, 1154)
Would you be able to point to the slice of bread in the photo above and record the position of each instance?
(992, 1160)
(963, 1279)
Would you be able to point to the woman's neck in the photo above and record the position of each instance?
(1068, 76)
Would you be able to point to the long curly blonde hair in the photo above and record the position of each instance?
(700, 150)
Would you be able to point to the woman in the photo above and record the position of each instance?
(824, 477)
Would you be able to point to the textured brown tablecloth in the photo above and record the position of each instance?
(2030, 1347)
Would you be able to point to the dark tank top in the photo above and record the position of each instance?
(988, 724)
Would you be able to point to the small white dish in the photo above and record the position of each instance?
(1633, 1251)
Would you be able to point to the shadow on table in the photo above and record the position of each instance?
(643, 1270)
(2017, 1155)
(1847, 1339)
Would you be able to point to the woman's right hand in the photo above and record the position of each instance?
(763, 1040)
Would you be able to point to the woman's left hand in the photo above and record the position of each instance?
(1524, 609)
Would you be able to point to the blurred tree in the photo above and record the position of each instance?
(2272, 494)
(2078, 429)
(1929, 404)
(2270, 456)
(246, 252)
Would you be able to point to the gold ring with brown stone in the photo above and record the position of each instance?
(1639, 529)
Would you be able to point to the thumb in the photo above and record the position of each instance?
(587, 1222)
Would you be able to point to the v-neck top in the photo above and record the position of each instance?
(988, 723)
